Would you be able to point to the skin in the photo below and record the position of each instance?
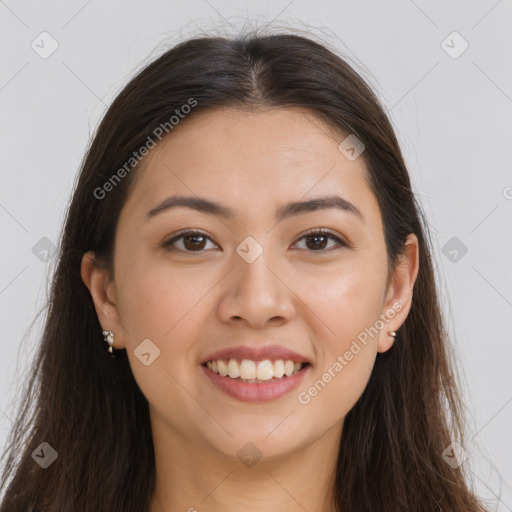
(189, 304)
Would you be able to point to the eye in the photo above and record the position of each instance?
(316, 240)
(191, 241)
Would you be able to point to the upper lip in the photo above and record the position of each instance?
(272, 351)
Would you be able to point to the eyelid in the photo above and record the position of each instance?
(324, 231)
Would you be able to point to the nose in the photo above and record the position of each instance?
(256, 293)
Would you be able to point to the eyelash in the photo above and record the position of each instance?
(315, 231)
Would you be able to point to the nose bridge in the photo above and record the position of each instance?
(253, 261)
(255, 292)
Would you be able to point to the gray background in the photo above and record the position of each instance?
(451, 111)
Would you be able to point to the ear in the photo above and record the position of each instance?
(103, 292)
(399, 292)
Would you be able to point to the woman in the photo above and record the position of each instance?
(244, 315)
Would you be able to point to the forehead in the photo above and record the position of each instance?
(252, 158)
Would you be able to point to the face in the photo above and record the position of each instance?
(251, 279)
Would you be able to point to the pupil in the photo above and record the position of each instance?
(316, 237)
(194, 237)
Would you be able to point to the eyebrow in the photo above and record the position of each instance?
(286, 211)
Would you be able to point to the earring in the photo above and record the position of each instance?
(109, 338)
(392, 333)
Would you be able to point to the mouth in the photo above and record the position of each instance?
(256, 372)
(247, 380)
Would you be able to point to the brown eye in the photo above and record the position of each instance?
(316, 241)
(190, 241)
(193, 242)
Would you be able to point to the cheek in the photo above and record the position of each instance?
(346, 300)
(349, 307)
(165, 304)
(347, 304)
(150, 297)
(336, 389)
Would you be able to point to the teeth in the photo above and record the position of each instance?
(265, 370)
(252, 371)
(233, 368)
(278, 368)
(247, 369)
(222, 368)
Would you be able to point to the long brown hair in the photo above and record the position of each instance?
(88, 407)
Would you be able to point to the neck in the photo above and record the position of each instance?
(191, 476)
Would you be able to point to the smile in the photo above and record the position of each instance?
(255, 381)
(250, 371)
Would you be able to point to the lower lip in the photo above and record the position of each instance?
(257, 391)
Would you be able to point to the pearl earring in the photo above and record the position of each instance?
(109, 338)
